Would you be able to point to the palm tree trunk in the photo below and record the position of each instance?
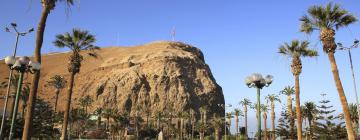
(344, 104)
(98, 122)
(298, 111)
(265, 127)
(67, 107)
(56, 99)
(245, 111)
(37, 55)
(310, 128)
(273, 119)
(237, 125)
(290, 114)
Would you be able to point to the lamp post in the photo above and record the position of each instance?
(256, 80)
(22, 65)
(225, 106)
(355, 45)
(18, 34)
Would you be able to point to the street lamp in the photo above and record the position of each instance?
(355, 45)
(11, 60)
(22, 65)
(256, 80)
(225, 106)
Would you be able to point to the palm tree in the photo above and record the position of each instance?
(310, 112)
(85, 102)
(47, 6)
(354, 117)
(58, 82)
(272, 98)
(108, 113)
(264, 110)
(288, 91)
(76, 41)
(297, 49)
(245, 103)
(228, 115)
(217, 122)
(98, 111)
(327, 19)
(237, 113)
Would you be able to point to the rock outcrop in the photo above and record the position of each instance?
(158, 76)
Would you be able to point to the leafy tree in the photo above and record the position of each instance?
(326, 127)
(354, 117)
(288, 91)
(297, 49)
(272, 98)
(77, 41)
(85, 102)
(58, 82)
(245, 103)
(47, 7)
(310, 111)
(237, 113)
(327, 19)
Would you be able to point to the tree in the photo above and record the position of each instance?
(328, 125)
(354, 117)
(272, 98)
(245, 103)
(288, 91)
(327, 19)
(58, 82)
(310, 113)
(47, 6)
(228, 115)
(98, 111)
(283, 127)
(217, 122)
(77, 41)
(85, 102)
(237, 113)
(297, 49)
(264, 110)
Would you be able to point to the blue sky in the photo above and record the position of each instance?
(237, 37)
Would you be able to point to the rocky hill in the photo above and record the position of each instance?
(157, 76)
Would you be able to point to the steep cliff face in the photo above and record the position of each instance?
(159, 76)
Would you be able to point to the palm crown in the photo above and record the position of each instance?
(245, 102)
(297, 49)
(330, 16)
(57, 81)
(272, 98)
(288, 90)
(76, 41)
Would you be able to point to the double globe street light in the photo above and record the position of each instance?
(22, 65)
(17, 33)
(257, 81)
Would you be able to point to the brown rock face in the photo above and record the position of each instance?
(157, 76)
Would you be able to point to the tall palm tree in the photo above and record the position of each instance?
(77, 41)
(85, 102)
(288, 91)
(237, 113)
(47, 6)
(217, 122)
(245, 103)
(310, 112)
(228, 115)
(327, 19)
(264, 110)
(58, 82)
(295, 50)
(272, 98)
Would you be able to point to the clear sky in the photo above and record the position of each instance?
(237, 37)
